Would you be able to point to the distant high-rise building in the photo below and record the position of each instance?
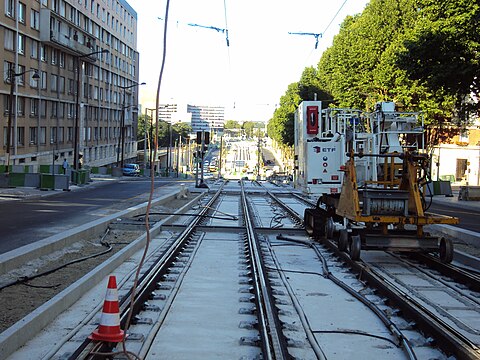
(208, 118)
(174, 113)
(85, 53)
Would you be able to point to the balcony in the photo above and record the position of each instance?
(56, 39)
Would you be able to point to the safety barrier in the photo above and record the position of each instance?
(469, 193)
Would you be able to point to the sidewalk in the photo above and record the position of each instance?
(454, 201)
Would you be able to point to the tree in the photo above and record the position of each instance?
(181, 129)
(231, 124)
(443, 51)
(281, 126)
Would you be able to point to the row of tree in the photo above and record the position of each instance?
(421, 54)
(168, 134)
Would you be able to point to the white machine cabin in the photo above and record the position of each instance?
(320, 146)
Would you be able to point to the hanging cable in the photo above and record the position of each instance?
(331, 21)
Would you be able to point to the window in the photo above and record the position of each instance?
(70, 134)
(43, 108)
(61, 84)
(34, 49)
(8, 39)
(21, 12)
(71, 86)
(33, 82)
(6, 104)
(21, 136)
(20, 106)
(43, 135)
(53, 135)
(5, 134)
(62, 59)
(43, 80)
(21, 78)
(53, 84)
(10, 8)
(71, 111)
(33, 136)
(54, 57)
(54, 109)
(33, 107)
(43, 53)
(21, 44)
(35, 20)
(61, 110)
(62, 8)
(61, 131)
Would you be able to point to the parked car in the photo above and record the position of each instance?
(131, 170)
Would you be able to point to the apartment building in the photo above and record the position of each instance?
(70, 82)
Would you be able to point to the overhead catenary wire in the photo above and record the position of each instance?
(317, 36)
(331, 21)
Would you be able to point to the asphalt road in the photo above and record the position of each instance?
(469, 217)
(26, 221)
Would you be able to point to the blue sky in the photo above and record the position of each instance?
(250, 75)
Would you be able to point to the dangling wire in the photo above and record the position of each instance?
(152, 179)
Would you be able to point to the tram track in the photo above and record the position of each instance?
(441, 299)
(455, 334)
(237, 274)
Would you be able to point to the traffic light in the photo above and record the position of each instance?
(206, 135)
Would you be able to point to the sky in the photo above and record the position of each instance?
(250, 75)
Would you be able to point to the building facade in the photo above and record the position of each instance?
(174, 113)
(207, 118)
(459, 160)
(82, 106)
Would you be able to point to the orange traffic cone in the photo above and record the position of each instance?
(109, 329)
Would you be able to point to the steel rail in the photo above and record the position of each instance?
(146, 285)
(274, 344)
(460, 275)
(449, 339)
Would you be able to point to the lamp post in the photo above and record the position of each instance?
(13, 75)
(169, 150)
(148, 134)
(121, 139)
(76, 136)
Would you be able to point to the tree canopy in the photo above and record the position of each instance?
(178, 130)
(421, 54)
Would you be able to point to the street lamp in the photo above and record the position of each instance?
(13, 107)
(169, 149)
(148, 129)
(77, 105)
(121, 139)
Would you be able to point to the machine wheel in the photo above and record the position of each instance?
(343, 240)
(446, 250)
(329, 228)
(355, 243)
